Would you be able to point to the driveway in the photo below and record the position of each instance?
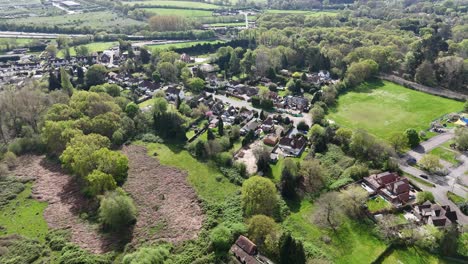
(443, 184)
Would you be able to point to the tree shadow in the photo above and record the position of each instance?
(294, 204)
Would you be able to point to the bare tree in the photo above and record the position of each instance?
(328, 213)
(353, 199)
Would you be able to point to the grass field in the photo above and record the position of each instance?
(182, 44)
(416, 180)
(446, 154)
(234, 24)
(378, 204)
(455, 198)
(384, 108)
(164, 3)
(92, 47)
(305, 12)
(202, 176)
(412, 255)
(102, 20)
(353, 243)
(179, 12)
(24, 216)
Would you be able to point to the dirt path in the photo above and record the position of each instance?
(168, 207)
(66, 202)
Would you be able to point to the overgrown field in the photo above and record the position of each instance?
(168, 3)
(384, 108)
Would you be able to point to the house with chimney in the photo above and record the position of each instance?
(293, 145)
(391, 186)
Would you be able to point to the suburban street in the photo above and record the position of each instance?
(442, 183)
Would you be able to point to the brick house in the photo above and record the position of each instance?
(391, 186)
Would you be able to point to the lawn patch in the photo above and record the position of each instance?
(445, 154)
(378, 204)
(202, 176)
(414, 180)
(179, 12)
(354, 242)
(24, 216)
(384, 108)
(412, 255)
(457, 199)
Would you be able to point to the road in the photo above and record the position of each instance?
(16, 34)
(70, 12)
(443, 184)
(241, 103)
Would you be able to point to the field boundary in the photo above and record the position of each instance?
(422, 88)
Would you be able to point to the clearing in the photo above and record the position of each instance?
(168, 207)
(384, 108)
(65, 202)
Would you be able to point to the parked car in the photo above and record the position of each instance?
(423, 176)
(411, 161)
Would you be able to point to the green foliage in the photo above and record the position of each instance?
(111, 162)
(259, 196)
(221, 237)
(151, 138)
(421, 197)
(56, 135)
(463, 245)
(57, 239)
(10, 159)
(132, 109)
(72, 254)
(17, 249)
(99, 182)
(430, 163)
(196, 84)
(117, 211)
(413, 137)
(95, 75)
(150, 255)
(291, 250)
(260, 227)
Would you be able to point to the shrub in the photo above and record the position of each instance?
(10, 159)
(156, 255)
(117, 210)
(20, 250)
(151, 138)
(221, 237)
(3, 171)
(25, 145)
(233, 175)
(99, 182)
(421, 197)
(72, 254)
(57, 239)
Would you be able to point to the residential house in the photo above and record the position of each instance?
(293, 145)
(186, 58)
(268, 125)
(436, 215)
(250, 126)
(245, 251)
(271, 140)
(391, 186)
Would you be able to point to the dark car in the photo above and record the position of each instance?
(411, 161)
(423, 176)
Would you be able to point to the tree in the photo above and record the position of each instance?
(413, 137)
(117, 210)
(258, 196)
(51, 50)
(210, 135)
(54, 83)
(167, 71)
(150, 255)
(10, 160)
(221, 127)
(260, 227)
(291, 250)
(398, 141)
(430, 163)
(221, 237)
(463, 244)
(145, 56)
(99, 182)
(461, 138)
(95, 75)
(132, 109)
(81, 51)
(451, 72)
(111, 162)
(353, 198)
(424, 196)
(65, 82)
(361, 71)
(289, 178)
(313, 174)
(302, 126)
(317, 113)
(262, 155)
(196, 84)
(343, 136)
(425, 74)
(327, 211)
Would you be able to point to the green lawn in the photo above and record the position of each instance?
(24, 216)
(179, 12)
(446, 154)
(306, 12)
(378, 204)
(182, 44)
(353, 243)
(418, 180)
(233, 24)
(455, 198)
(92, 47)
(412, 255)
(202, 176)
(384, 108)
(165, 3)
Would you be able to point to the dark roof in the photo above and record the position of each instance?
(295, 142)
(245, 244)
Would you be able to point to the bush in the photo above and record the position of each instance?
(233, 175)
(10, 160)
(221, 237)
(156, 255)
(72, 254)
(117, 210)
(3, 171)
(224, 159)
(25, 145)
(57, 239)
(421, 197)
(151, 138)
(20, 250)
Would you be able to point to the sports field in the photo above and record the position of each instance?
(384, 108)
